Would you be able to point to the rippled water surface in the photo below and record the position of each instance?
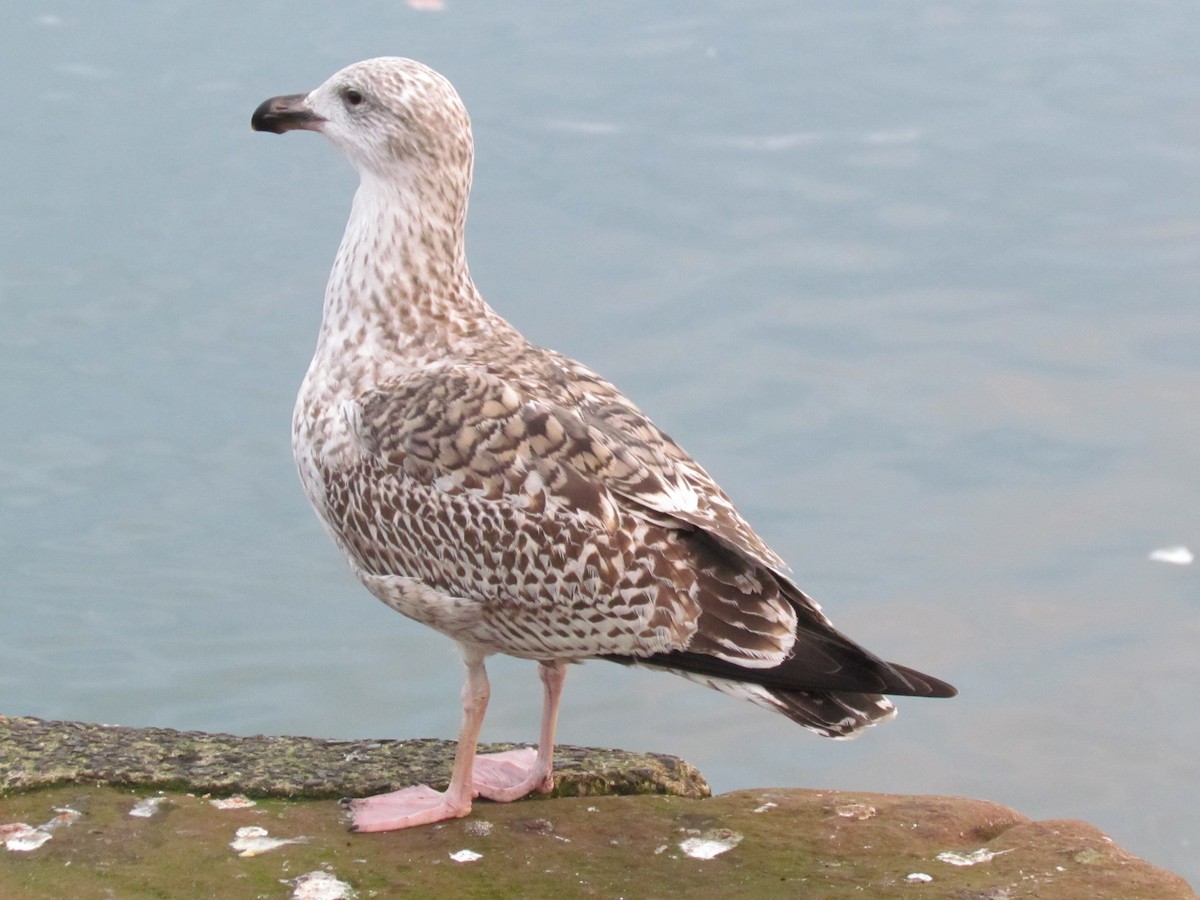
(918, 282)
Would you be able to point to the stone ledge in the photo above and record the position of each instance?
(95, 810)
(35, 753)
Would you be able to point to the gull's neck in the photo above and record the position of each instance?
(400, 295)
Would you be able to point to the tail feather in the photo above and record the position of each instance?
(760, 638)
(822, 663)
(827, 684)
(840, 715)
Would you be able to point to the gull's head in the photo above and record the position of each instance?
(390, 116)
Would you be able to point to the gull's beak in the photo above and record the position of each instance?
(280, 114)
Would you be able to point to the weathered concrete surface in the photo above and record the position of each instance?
(36, 753)
(771, 843)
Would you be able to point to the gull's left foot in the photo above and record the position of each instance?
(510, 775)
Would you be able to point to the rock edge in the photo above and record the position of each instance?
(37, 753)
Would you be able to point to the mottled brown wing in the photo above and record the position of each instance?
(467, 428)
(700, 602)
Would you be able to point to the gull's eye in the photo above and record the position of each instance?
(352, 97)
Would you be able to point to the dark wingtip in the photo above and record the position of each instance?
(287, 113)
(922, 685)
(863, 674)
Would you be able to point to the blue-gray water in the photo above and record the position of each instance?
(917, 281)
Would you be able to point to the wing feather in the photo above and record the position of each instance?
(479, 430)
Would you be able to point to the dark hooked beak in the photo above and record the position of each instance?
(280, 114)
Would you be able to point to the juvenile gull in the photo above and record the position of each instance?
(510, 497)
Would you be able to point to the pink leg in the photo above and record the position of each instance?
(514, 773)
(421, 804)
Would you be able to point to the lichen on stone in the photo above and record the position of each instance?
(35, 753)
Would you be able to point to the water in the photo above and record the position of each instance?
(917, 282)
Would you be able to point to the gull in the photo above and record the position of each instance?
(508, 496)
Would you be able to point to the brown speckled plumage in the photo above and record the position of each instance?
(507, 495)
